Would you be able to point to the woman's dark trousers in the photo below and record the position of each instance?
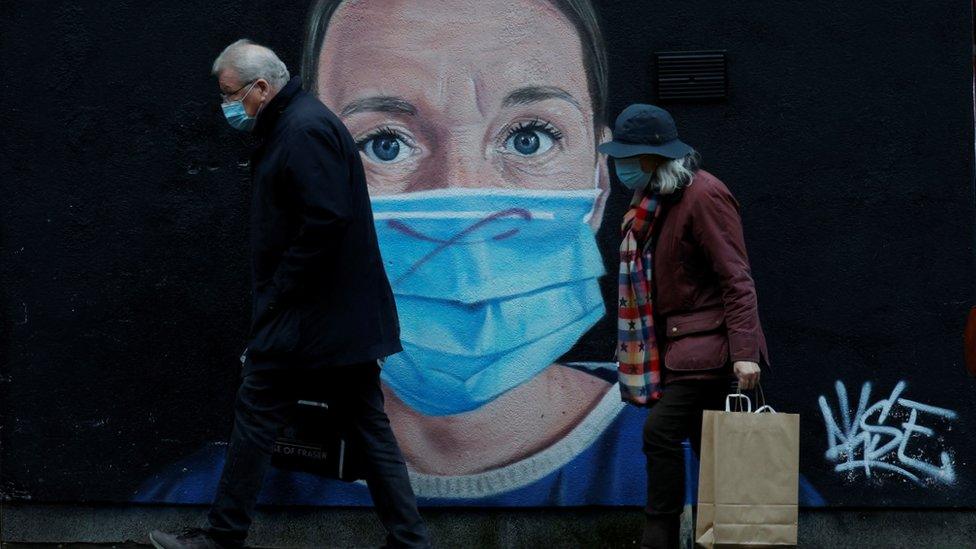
(675, 417)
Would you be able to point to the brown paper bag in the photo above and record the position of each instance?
(748, 484)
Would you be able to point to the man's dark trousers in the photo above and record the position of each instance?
(265, 401)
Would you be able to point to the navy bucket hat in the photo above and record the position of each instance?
(645, 129)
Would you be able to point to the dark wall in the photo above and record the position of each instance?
(847, 137)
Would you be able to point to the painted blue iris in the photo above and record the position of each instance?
(526, 142)
(385, 148)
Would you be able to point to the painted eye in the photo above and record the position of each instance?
(385, 147)
(531, 138)
(529, 142)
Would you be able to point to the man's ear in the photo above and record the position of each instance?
(602, 182)
(264, 88)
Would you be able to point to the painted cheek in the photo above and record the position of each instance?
(424, 176)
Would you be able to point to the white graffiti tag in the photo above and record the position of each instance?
(877, 436)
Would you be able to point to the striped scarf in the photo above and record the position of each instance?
(638, 362)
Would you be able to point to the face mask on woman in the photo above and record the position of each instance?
(492, 285)
(630, 174)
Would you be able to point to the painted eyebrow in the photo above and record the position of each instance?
(388, 104)
(534, 94)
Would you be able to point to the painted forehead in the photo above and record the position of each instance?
(497, 45)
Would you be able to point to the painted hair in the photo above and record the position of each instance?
(579, 12)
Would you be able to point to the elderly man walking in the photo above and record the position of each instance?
(323, 314)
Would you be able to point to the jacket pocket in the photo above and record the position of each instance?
(277, 335)
(696, 341)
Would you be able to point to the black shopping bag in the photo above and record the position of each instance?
(314, 442)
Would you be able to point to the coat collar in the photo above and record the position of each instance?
(675, 196)
(271, 113)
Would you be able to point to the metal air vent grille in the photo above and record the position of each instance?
(691, 75)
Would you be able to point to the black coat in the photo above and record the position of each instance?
(320, 293)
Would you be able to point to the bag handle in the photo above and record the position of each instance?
(739, 398)
(763, 407)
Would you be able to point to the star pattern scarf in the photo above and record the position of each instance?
(638, 361)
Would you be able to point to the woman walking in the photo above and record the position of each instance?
(688, 320)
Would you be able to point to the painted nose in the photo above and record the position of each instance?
(464, 164)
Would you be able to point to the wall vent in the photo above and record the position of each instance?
(691, 75)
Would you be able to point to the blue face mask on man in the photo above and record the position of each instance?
(492, 287)
(237, 116)
(630, 174)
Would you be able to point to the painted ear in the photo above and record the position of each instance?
(602, 182)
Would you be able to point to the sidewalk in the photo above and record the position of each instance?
(126, 526)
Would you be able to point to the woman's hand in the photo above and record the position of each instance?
(748, 374)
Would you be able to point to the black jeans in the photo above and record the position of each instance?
(674, 418)
(265, 401)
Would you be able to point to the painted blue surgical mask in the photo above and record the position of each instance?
(492, 286)
(630, 174)
(235, 114)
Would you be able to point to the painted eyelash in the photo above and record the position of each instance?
(385, 131)
(536, 124)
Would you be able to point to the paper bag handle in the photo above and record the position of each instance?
(739, 397)
(760, 399)
(763, 407)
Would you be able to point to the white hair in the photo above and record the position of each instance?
(252, 61)
(676, 174)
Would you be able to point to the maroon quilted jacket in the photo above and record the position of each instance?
(706, 310)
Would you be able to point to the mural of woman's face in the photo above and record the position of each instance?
(461, 97)
(484, 94)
